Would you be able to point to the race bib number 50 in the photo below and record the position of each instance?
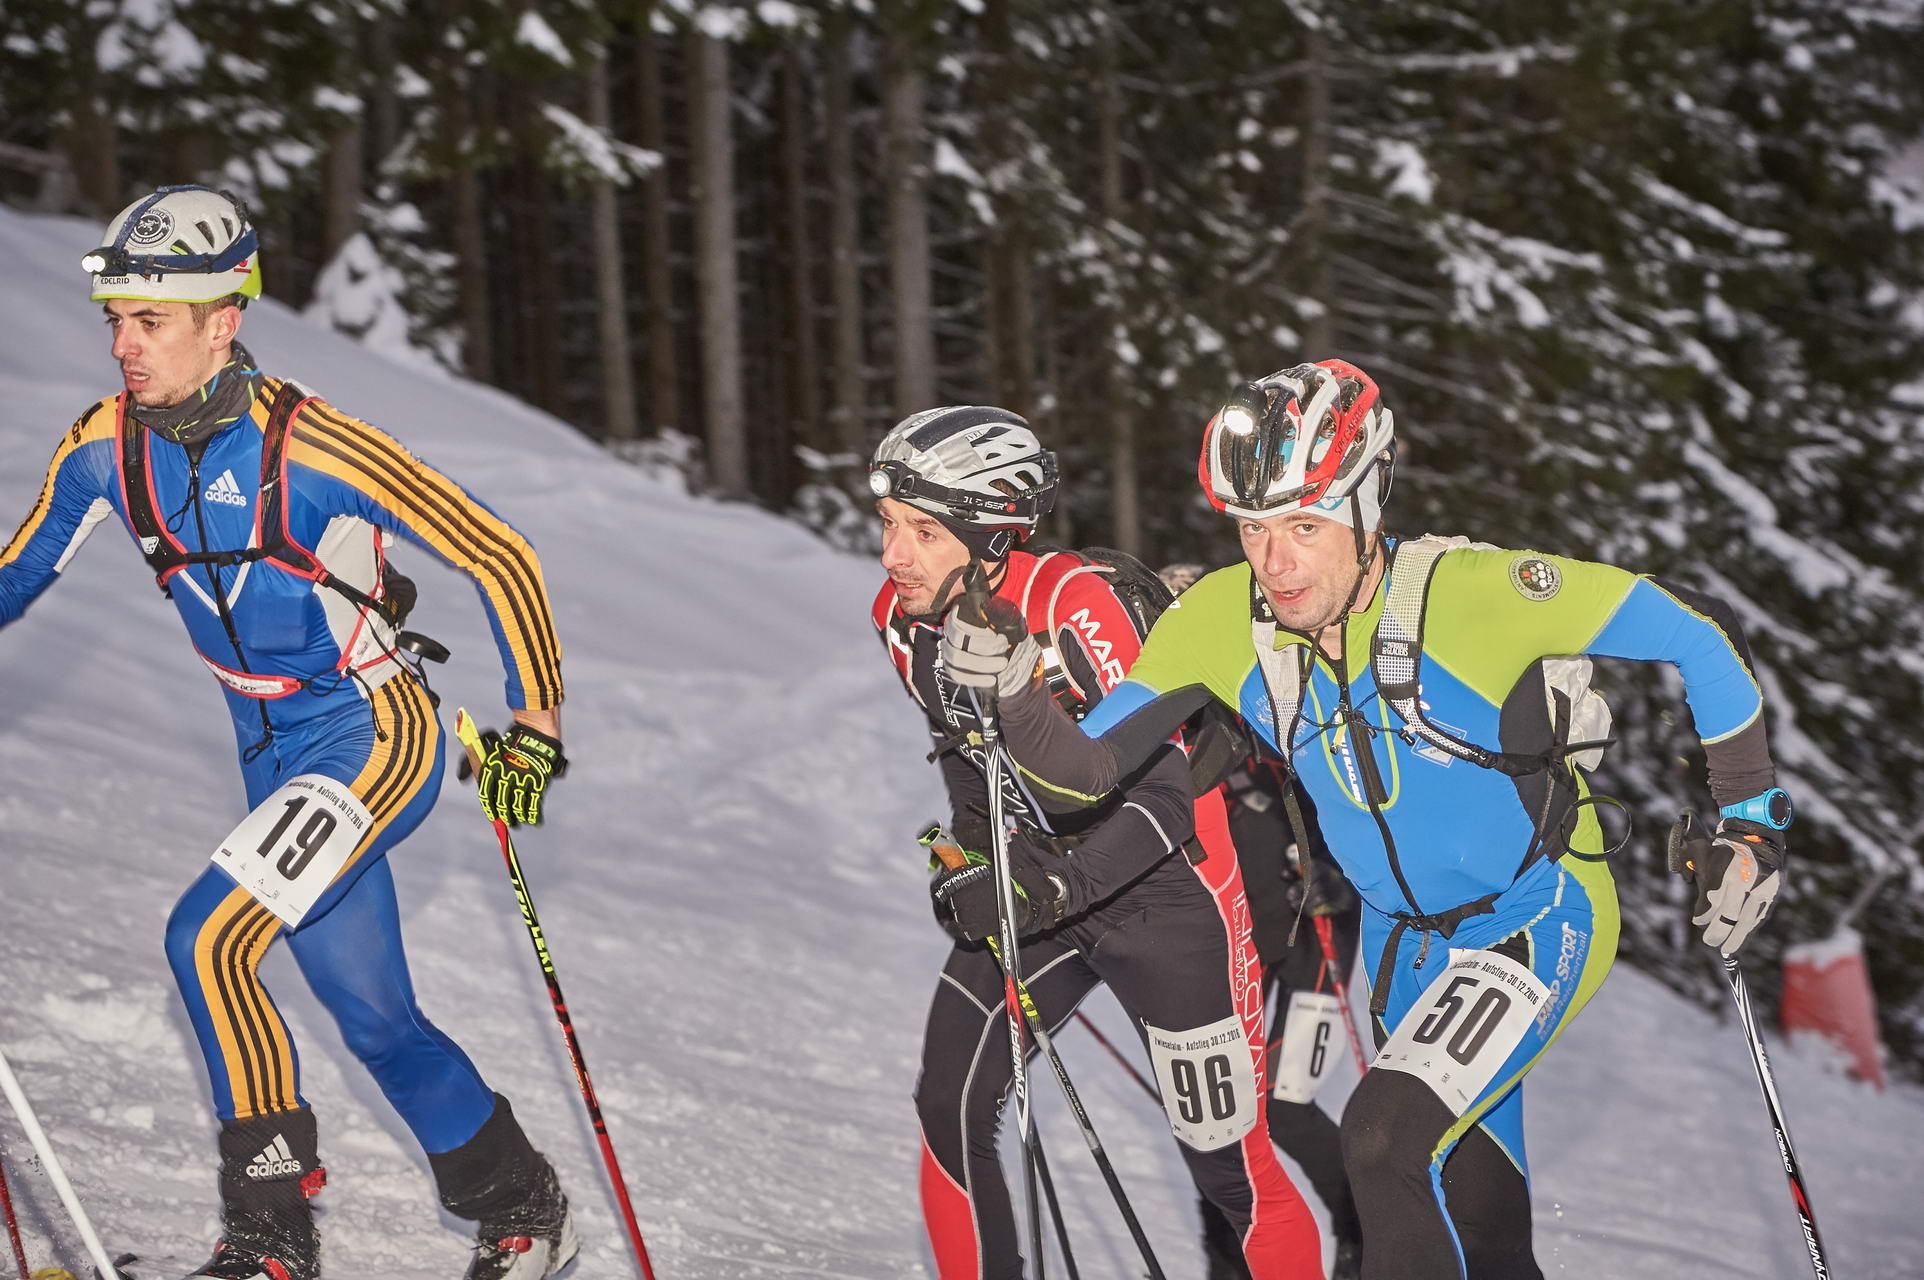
(1208, 1082)
(295, 842)
(1466, 1025)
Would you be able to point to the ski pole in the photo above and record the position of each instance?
(1010, 957)
(1055, 1211)
(55, 1174)
(1683, 833)
(470, 738)
(1793, 1172)
(1325, 934)
(952, 857)
(13, 1223)
(1116, 1053)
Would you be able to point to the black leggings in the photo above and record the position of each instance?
(1392, 1125)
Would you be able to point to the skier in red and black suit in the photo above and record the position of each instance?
(1141, 893)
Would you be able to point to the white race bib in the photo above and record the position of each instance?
(1464, 1027)
(295, 842)
(1208, 1082)
(1312, 1033)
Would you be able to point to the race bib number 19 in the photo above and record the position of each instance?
(1466, 1025)
(295, 842)
(1208, 1082)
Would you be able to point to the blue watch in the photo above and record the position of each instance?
(1771, 809)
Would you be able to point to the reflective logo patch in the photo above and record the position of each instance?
(1535, 578)
(152, 227)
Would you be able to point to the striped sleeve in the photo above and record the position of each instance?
(388, 486)
(72, 500)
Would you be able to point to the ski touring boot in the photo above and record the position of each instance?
(270, 1173)
(498, 1181)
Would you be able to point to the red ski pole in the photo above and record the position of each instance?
(13, 1224)
(470, 738)
(1326, 936)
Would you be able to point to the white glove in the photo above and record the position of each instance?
(995, 653)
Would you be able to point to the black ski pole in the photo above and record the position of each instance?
(1682, 834)
(1055, 1210)
(1011, 974)
(1793, 1172)
(944, 847)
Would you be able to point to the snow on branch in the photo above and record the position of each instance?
(589, 152)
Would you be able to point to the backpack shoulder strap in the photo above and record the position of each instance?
(162, 553)
(1396, 651)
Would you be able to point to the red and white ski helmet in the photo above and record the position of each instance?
(980, 470)
(178, 244)
(1308, 438)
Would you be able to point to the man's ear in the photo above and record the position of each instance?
(227, 323)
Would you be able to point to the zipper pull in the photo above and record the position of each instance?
(1422, 951)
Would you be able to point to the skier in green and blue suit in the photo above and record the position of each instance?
(1435, 697)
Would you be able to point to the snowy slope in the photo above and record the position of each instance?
(730, 889)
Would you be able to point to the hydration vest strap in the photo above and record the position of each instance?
(253, 684)
(1443, 922)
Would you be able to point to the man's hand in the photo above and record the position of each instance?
(514, 773)
(1736, 874)
(986, 645)
(966, 894)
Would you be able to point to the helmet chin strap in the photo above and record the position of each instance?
(1365, 555)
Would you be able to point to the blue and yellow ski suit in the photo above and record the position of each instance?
(1421, 833)
(313, 686)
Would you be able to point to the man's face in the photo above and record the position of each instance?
(163, 357)
(919, 554)
(1305, 565)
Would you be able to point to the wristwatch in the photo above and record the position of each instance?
(1771, 809)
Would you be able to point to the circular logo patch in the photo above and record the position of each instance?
(152, 227)
(1535, 578)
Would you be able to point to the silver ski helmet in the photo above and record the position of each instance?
(1308, 438)
(978, 469)
(179, 244)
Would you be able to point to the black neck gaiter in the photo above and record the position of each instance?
(223, 400)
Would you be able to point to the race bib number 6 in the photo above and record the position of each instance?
(289, 849)
(1462, 1030)
(1312, 1036)
(1208, 1082)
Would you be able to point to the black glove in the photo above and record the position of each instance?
(1736, 874)
(968, 896)
(515, 771)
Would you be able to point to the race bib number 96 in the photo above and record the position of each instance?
(290, 848)
(1208, 1082)
(1466, 1025)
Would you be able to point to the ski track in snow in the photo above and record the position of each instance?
(735, 906)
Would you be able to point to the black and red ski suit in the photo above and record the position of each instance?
(1171, 938)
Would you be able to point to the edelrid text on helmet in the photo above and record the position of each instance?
(180, 244)
(1303, 439)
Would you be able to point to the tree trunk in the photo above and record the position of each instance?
(798, 344)
(1011, 308)
(849, 385)
(470, 239)
(611, 293)
(712, 153)
(341, 203)
(658, 278)
(1315, 237)
(540, 345)
(908, 216)
(1117, 376)
(91, 138)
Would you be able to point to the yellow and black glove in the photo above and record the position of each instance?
(515, 771)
